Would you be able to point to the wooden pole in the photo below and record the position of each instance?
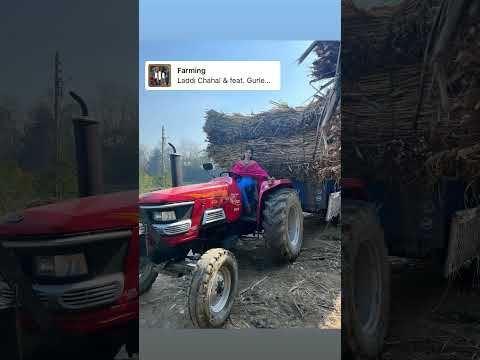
(58, 131)
(163, 157)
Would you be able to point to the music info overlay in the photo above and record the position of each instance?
(212, 75)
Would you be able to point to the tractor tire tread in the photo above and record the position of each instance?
(275, 218)
(209, 263)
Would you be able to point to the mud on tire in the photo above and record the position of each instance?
(209, 305)
(283, 224)
(365, 281)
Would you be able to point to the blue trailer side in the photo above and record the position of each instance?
(314, 196)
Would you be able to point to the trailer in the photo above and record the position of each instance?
(323, 198)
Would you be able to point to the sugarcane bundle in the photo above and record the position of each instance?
(411, 120)
(281, 120)
(456, 65)
(324, 66)
(286, 145)
(380, 111)
(287, 141)
(384, 35)
(455, 60)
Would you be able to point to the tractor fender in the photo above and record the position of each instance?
(354, 189)
(267, 187)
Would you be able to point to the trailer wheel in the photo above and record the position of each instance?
(146, 275)
(213, 289)
(283, 224)
(365, 281)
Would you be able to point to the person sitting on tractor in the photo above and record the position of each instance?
(246, 170)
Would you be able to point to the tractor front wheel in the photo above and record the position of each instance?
(213, 289)
(283, 224)
(146, 275)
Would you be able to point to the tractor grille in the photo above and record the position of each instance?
(93, 296)
(213, 215)
(105, 253)
(183, 211)
(173, 229)
(6, 296)
(102, 291)
(181, 224)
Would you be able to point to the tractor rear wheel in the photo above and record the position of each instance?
(365, 281)
(213, 289)
(283, 224)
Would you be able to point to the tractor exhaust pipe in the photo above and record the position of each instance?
(88, 151)
(176, 167)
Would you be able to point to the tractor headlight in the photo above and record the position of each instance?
(141, 229)
(45, 265)
(61, 265)
(164, 216)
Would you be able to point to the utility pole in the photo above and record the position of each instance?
(163, 157)
(58, 84)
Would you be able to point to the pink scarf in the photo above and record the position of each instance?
(252, 169)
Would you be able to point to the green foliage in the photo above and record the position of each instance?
(20, 189)
(17, 188)
(28, 169)
(149, 183)
(154, 163)
(193, 157)
(46, 181)
(168, 179)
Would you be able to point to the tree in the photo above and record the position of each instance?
(193, 159)
(143, 155)
(38, 153)
(154, 164)
(10, 136)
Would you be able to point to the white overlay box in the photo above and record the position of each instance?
(212, 75)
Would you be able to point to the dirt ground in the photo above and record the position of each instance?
(305, 293)
(122, 355)
(432, 318)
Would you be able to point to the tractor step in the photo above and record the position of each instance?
(178, 268)
(248, 218)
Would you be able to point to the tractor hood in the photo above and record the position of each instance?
(215, 188)
(93, 213)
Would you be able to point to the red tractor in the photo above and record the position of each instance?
(78, 262)
(191, 229)
(82, 259)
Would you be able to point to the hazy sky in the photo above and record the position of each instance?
(240, 20)
(182, 112)
(94, 47)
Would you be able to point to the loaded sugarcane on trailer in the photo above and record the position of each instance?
(417, 212)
